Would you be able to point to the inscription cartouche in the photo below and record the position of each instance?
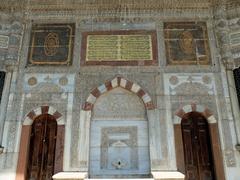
(119, 47)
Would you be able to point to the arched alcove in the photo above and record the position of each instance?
(114, 83)
(24, 150)
(119, 103)
(119, 140)
(207, 114)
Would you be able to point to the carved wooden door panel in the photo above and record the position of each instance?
(42, 148)
(197, 148)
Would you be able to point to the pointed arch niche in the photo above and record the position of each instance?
(118, 85)
(214, 137)
(25, 140)
(118, 82)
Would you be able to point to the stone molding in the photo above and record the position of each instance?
(118, 82)
(194, 108)
(103, 5)
(28, 120)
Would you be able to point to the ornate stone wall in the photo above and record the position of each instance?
(171, 86)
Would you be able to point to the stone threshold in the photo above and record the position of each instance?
(123, 179)
(157, 175)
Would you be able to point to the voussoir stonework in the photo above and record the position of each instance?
(43, 110)
(118, 82)
(194, 108)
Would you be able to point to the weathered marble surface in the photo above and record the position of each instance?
(114, 142)
(119, 103)
(208, 87)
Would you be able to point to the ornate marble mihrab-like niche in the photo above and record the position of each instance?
(119, 149)
(119, 145)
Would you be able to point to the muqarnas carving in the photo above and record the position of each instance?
(187, 43)
(51, 44)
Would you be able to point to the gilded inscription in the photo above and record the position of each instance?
(51, 44)
(187, 43)
(119, 48)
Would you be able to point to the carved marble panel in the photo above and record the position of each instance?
(119, 103)
(43, 82)
(235, 46)
(10, 41)
(189, 84)
(187, 43)
(119, 149)
(51, 44)
(4, 41)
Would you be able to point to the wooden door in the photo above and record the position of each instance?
(197, 148)
(42, 148)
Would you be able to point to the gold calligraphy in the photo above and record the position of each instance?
(187, 43)
(51, 44)
(119, 47)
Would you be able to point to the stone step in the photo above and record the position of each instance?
(123, 179)
(159, 175)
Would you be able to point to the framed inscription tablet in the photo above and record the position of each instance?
(187, 43)
(119, 48)
(51, 44)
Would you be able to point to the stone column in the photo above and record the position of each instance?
(223, 34)
(229, 119)
(85, 117)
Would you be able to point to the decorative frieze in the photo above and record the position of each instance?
(34, 81)
(186, 84)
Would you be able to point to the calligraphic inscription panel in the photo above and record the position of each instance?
(119, 48)
(51, 44)
(187, 43)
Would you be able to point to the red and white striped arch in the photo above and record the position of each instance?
(194, 108)
(29, 118)
(118, 82)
